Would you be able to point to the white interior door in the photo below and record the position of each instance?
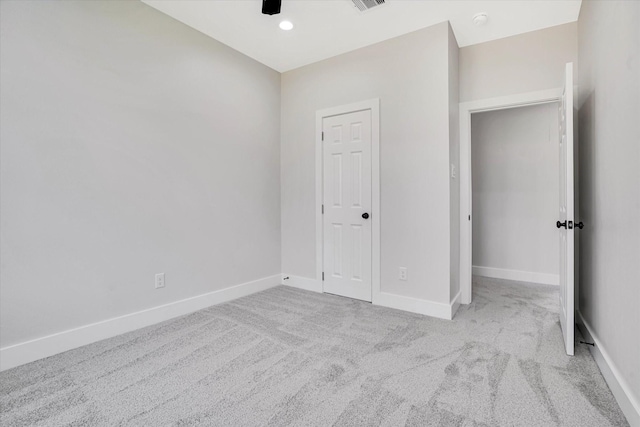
(347, 205)
(566, 213)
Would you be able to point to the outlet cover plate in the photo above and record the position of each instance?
(159, 280)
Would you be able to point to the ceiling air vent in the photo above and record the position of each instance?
(364, 5)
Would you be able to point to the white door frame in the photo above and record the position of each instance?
(466, 110)
(374, 106)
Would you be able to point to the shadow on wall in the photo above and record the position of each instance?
(587, 182)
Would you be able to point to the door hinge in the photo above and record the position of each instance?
(323, 276)
(322, 208)
(323, 136)
(469, 217)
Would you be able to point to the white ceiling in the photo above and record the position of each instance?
(326, 28)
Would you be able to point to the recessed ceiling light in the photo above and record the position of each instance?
(480, 18)
(286, 25)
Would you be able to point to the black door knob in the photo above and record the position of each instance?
(579, 225)
(365, 215)
(561, 224)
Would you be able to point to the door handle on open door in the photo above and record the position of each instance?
(579, 225)
(561, 224)
(365, 215)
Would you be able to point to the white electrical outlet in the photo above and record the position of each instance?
(403, 273)
(159, 280)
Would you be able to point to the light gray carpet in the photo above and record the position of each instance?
(291, 357)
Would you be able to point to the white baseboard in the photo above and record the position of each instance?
(414, 305)
(39, 348)
(302, 283)
(455, 303)
(621, 390)
(518, 275)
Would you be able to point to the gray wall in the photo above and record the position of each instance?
(454, 159)
(609, 147)
(514, 164)
(410, 76)
(130, 145)
(523, 63)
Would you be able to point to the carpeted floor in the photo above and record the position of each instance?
(291, 357)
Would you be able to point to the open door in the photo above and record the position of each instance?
(566, 212)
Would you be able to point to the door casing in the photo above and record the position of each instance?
(374, 106)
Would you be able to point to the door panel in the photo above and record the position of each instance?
(346, 197)
(566, 213)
